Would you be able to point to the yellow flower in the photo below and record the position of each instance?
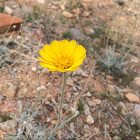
(62, 56)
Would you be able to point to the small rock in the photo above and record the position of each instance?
(79, 71)
(86, 109)
(8, 10)
(77, 35)
(84, 5)
(11, 90)
(41, 1)
(89, 119)
(94, 102)
(72, 125)
(91, 103)
(137, 81)
(96, 130)
(67, 14)
(34, 69)
(48, 119)
(63, 6)
(73, 110)
(110, 78)
(132, 98)
(97, 101)
(88, 94)
(76, 11)
(121, 108)
(70, 82)
(89, 30)
(22, 92)
(85, 14)
(8, 125)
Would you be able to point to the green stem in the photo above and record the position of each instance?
(60, 106)
(38, 90)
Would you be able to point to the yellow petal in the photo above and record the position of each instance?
(71, 47)
(49, 51)
(64, 47)
(46, 65)
(79, 52)
(56, 47)
(46, 56)
(44, 60)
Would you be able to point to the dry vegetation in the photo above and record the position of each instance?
(100, 90)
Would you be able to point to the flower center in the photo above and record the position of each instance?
(64, 62)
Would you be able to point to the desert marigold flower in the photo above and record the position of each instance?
(62, 56)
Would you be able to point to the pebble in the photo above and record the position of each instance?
(85, 14)
(67, 14)
(137, 81)
(34, 69)
(72, 125)
(70, 82)
(89, 119)
(11, 90)
(121, 108)
(136, 112)
(94, 102)
(133, 98)
(8, 125)
(86, 109)
(77, 34)
(48, 119)
(88, 94)
(8, 10)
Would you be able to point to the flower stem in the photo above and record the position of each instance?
(60, 106)
(37, 98)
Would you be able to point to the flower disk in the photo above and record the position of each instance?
(62, 56)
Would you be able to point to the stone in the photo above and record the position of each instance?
(85, 14)
(95, 130)
(11, 90)
(70, 82)
(137, 81)
(77, 34)
(89, 119)
(72, 125)
(76, 11)
(88, 94)
(8, 10)
(89, 30)
(22, 11)
(67, 14)
(34, 69)
(121, 108)
(133, 98)
(86, 109)
(94, 102)
(84, 5)
(9, 23)
(8, 125)
(22, 92)
(48, 119)
(41, 1)
(110, 78)
(79, 71)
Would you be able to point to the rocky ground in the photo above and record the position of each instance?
(109, 103)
